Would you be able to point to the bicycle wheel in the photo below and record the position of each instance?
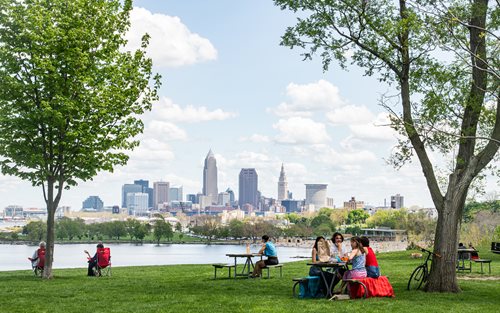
(418, 276)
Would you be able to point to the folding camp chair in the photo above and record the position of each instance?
(103, 266)
(38, 264)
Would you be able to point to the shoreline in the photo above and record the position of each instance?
(377, 246)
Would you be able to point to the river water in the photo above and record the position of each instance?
(15, 257)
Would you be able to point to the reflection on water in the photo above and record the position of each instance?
(15, 257)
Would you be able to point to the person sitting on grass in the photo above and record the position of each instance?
(372, 269)
(268, 249)
(92, 261)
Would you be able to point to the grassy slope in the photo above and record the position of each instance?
(190, 288)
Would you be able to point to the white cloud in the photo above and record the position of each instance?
(299, 130)
(306, 99)
(167, 110)
(378, 129)
(172, 44)
(152, 150)
(256, 138)
(165, 131)
(350, 114)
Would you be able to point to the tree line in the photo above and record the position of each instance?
(71, 229)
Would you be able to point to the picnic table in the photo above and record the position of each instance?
(247, 266)
(326, 265)
(463, 256)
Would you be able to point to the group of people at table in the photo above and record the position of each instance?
(358, 253)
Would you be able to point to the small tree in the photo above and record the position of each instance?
(36, 231)
(70, 98)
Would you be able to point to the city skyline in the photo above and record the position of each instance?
(257, 105)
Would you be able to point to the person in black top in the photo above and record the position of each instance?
(92, 260)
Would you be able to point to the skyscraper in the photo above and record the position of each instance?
(210, 177)
(146, 189)
(316, 195)
(248, 187)
(129, 188)
(160, 193)
(282, 185)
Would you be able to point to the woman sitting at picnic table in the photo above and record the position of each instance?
(338, 251)
(321, 253)
(371, 265)
(268, 249)
(358, 260)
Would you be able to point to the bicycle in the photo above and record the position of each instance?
(421, 273)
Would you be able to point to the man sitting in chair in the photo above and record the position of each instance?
(38, 258)
(92, 261)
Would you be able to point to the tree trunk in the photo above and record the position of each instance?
(443, 276)
(52, 203)
(49, 254)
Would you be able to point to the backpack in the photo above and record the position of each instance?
(310, 288)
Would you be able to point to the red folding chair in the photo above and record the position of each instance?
(38, 264)
(103, 262)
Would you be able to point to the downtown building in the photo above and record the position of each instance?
(210, 189)
(315, 196)
(397, 201)
(93, 203)
(282, 185)
(160, 194)
(248, 188)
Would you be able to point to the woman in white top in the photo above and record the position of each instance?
(338, 249)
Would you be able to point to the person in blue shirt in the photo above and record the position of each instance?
(268, 249)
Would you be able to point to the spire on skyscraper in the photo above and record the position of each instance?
(282, 185)
(210, 177)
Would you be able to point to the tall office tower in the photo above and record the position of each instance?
(316, 195)
(93, 202)
(129, 188)
(248, 188)
(175, 193)
(282, 185)
(137, 203)
(146, 189)
(397, 201)
(210, 177)
(231, 196)
(160, 193)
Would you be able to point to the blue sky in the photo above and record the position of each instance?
(229, 86)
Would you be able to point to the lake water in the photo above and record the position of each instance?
(15, 257)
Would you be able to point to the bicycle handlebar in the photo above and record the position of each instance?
(430, 252)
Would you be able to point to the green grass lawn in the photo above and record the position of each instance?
(191, 288)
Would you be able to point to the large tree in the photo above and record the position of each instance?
(442, 57)
(70, 96)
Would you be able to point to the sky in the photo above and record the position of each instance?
(228, 85)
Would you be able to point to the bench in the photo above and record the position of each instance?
(280, 266)
(309, 286)
(298, 281)
(370, 287)
(483, 261)
(220, 265)
(352, 282)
